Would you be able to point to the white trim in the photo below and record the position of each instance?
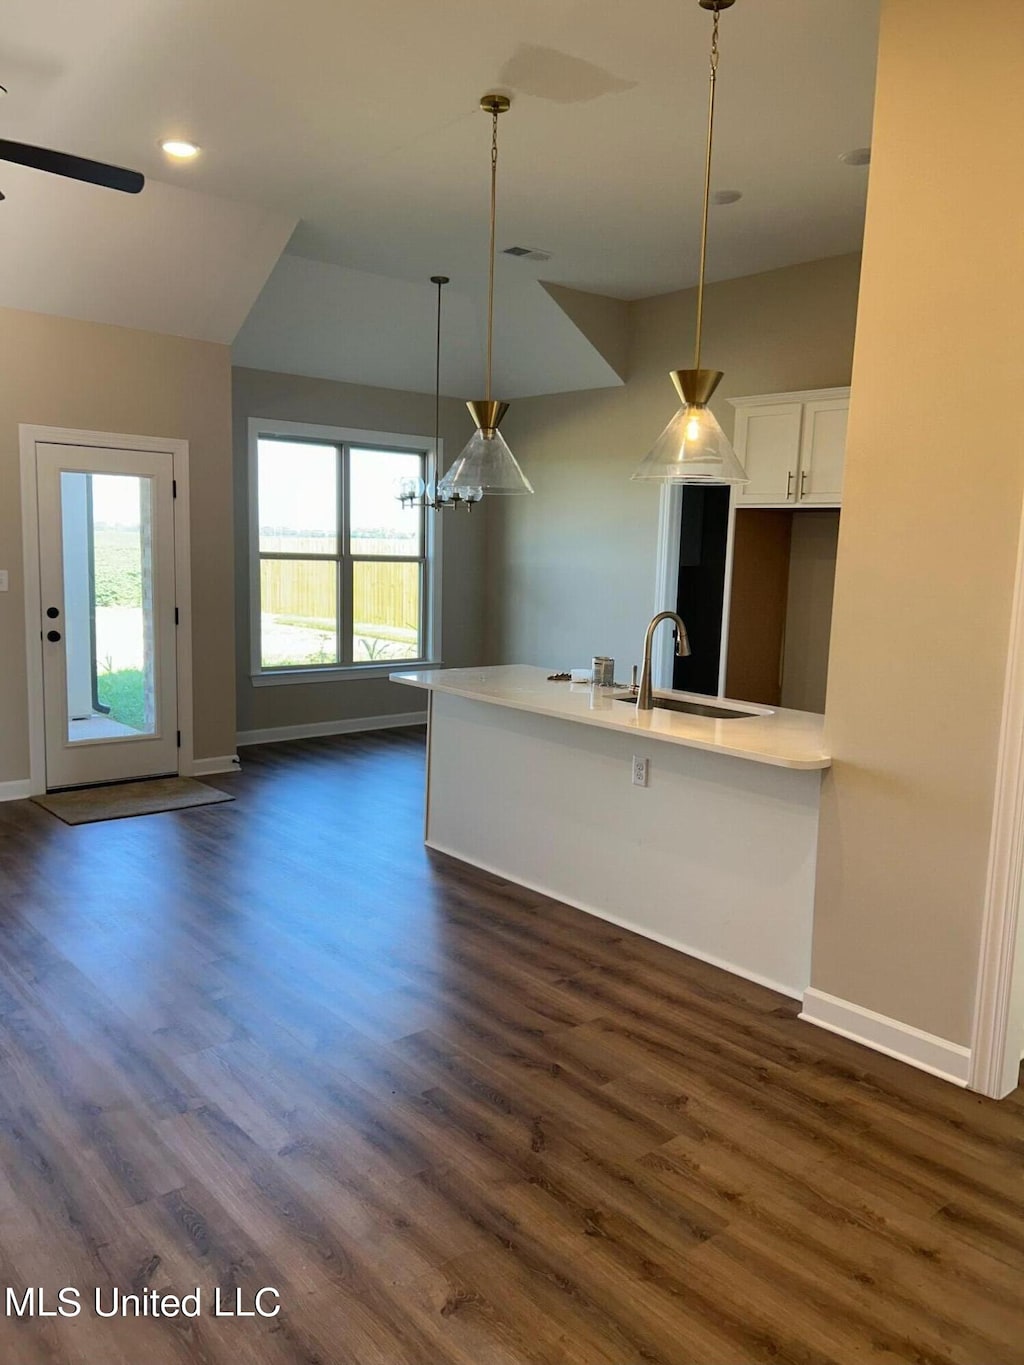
(206, 767)
(183, 595)
(666, 582)
(998, 1005)
(634, 928)
(320, 728)
(433, 532)
(33, 609)
(16, 791)
(926, 1051)
(356, 672)
(730, 554)
(798, 396)
(29, 437)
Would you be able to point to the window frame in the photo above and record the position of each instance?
(432, 530)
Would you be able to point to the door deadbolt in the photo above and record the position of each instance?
(53, 636)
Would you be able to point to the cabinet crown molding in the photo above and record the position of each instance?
(799, 396)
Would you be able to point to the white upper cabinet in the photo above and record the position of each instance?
(822, 449)
(792, 446)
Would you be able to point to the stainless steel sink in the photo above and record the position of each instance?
(694, 708)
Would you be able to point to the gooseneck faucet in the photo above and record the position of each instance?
(645, 697)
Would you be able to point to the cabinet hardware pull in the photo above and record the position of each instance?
(789, 483)
(803, 483)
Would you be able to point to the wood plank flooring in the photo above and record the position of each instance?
(276, 1043)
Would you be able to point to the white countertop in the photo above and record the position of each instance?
(786, 739)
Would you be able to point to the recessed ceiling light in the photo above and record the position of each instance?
(727, 196)
(859, 156)
(181, 151)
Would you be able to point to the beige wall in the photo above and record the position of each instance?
(812, 574)
(63, 373)
(292, 398)
(571, 572)
(932, 504)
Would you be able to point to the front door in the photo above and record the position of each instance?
(106, 560)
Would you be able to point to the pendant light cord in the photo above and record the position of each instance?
(437, 387)
(490, 279)
(707, 191)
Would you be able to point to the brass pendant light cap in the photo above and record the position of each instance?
(499, 104)
(696, 386)
(487, 414)
(716, 4)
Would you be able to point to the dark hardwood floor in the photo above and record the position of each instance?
(275, 1043)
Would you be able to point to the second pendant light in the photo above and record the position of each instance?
(693, 448)
(486, 464)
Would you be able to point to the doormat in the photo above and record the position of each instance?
(121, 800)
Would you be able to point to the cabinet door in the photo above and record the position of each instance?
(768, 445)
(822, 450)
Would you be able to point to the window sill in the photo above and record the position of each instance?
(345, 674)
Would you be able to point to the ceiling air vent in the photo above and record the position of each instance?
(527, 253)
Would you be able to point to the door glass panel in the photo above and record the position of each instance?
(298, 612)
(379, 524)
(106, 530)
(385, 610)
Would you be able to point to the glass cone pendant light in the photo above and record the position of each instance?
(693, 447)
(486, 465)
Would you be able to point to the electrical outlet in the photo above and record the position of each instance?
(641, 770)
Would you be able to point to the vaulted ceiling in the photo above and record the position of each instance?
(353, 129)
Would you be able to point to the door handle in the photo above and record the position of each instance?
(53, 636)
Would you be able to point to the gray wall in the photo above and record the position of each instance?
(571, 572)
(930, 526)
(292, 398)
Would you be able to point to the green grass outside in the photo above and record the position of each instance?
(118, 563)
(124, 693)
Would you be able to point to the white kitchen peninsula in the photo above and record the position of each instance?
(532, 780)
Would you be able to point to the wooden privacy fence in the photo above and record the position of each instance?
(384, 594)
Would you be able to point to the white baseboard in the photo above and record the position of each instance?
(926, 1051)
(621, 922)
(206, 767)
(331, 727)
(16, 791)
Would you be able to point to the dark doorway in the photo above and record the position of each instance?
(700, 592)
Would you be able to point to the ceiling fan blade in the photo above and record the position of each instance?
(74, 167)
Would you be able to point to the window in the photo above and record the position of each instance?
(342, 573)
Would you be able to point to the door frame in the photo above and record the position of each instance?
(29, 437)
